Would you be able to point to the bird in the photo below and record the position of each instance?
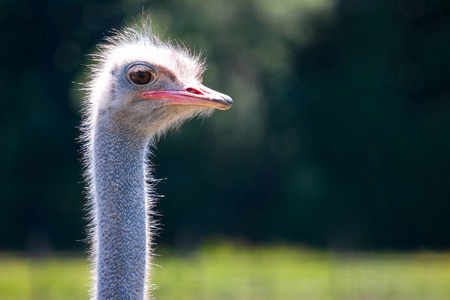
(139, 87)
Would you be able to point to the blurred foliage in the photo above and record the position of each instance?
(338, 136)
(229, 271)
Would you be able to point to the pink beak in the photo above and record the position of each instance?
(192, 94)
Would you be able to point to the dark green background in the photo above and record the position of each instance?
(339, 135)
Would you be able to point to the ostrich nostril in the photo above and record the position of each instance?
(194, 91)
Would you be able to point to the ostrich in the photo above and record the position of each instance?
(139, 88)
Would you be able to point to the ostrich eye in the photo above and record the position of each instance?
(141, 77)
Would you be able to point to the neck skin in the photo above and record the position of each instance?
(121, 240)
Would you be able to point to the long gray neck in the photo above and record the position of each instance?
(120, 213)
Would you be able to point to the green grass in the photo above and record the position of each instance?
(252, 273)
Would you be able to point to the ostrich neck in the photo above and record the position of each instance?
(120, 210)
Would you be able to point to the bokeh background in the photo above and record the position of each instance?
(338, 138)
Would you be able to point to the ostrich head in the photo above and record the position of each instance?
(146, 85)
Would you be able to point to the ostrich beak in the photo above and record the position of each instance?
(191, 94)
